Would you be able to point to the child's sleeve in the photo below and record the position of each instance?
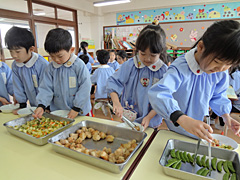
(90, 59)
(18, 89)
(219, 102)
(116, 65)
(45, 90)
(9, 84)
(82, 97)
(160, 94)
(94, 77)
(115, 83)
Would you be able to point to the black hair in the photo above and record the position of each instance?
(222, 40)
(84, 57)
(112, 51)
(97, 51)
(83, 46)
(122, 54)
(154, 38)
(17, 37)
(58, 39)
(103, 56)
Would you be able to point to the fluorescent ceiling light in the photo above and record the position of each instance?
(110, 2)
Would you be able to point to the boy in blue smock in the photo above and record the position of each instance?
(66, 84)
(101, 75)
(133, 80)
(28, 67)
(85, 59)
(5, 84)
(83, 50)
(198, 80)
(112, 61)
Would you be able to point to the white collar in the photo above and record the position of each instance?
(113, 61)
(69, 63)
(0, 63)
(192, 62)
(31, 62)
(153, 67)
(104, 66)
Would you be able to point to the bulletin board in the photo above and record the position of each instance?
(224, 10)
(181, 34)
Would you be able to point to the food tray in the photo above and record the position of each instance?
(188, 171)
(38, 141)
(121, 135)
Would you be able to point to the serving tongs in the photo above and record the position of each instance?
(127, 121)
(209, 148)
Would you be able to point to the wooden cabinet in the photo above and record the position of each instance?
(178, 51)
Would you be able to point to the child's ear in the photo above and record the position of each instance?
(72, 50)
(200, 47)
(31, 49)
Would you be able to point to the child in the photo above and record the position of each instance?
(121, 57)
(197, 80)
(96, 59)
(84, 47)
(234, 81)
(138, 74)
(112, 62)
(169, 60)
(101, 74)
(5, 84)
(85, 59)
(28, 67)
(66, 84)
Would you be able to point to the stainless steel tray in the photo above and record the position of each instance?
(38, 141)
(188, 171)
(122, 135)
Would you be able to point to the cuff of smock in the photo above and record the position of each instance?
(42, 106)
(174, 117)
(23, 105)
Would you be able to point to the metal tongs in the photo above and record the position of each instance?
(209, 148)
(128, 122)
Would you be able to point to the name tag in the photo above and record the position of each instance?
(4, 77)
(72, 82)
(34, 77)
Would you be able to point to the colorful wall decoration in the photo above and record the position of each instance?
(187, 13)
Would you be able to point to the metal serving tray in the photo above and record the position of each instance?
(188, 171)
(122, 135)
(38, 141)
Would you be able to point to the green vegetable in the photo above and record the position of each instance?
(179, 165)
(219, 166)
(172, 153)
(226, 176)
(182, 157)
(203, 161)
(178, 155)
(225, 167)
(185, 156)
(190, 158)
(172, 160)
(230, 166)
(207, 164)
(198, 161)
(175, 164)
(234, 176)
(214, 163)
(199, 172)
(205, 172)
(171, 163)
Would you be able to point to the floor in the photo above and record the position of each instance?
(99, 114)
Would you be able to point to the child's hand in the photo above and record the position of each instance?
(118, 109)
(72, 114)
(145, 122)
(232, 123)
(14, 100)
(38, 112)
(4, 101)
(196, 127)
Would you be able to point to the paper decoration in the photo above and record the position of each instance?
(174, 37)
(193, 36)
(227, 10)
(181, 29)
